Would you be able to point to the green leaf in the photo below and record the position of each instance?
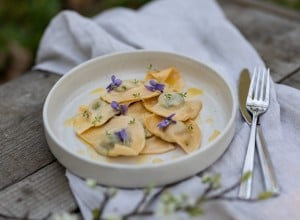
(148, 189)
(112, 192)
(265, 195)
(214, 180)
(246, 176)
(96, 213)
(91, 183)
(194, 211)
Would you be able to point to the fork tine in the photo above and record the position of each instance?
(251, 87)
(258, 82)
(263, 85)
(268, 86)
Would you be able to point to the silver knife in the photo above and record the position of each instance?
(270, 182)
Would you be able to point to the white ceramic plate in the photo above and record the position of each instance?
(75, 89)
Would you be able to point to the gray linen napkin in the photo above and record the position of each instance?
(197, 29)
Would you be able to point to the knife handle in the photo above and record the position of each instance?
(270, 181)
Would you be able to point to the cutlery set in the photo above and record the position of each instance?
(254, 99)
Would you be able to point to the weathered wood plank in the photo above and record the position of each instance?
(293, 80)
(44, 192)
(270, 7)
(275, 38)
(23, 146)
(21, 96)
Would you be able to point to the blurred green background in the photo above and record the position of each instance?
(22, 23)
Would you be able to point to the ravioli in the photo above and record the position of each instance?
(129, 91)
(155, 145)
(95, 114)
(133, 117)
(106, 142)
(170, 76)
(186, 134)
(138, 111)
(171, 102)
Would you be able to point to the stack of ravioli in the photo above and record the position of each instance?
(149, 116)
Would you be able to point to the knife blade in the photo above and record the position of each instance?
(269, 178)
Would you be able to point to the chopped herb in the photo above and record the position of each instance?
(154, 86)
(135, 81)
(168, 96)
(131, 122)
(190, 127)
(150, 68)
(167, 121)
(86, 114)
(183, 94)
(122, 109)
(107, 133)
(96, 105)
(97, 120)
(124, 88)
(115, 83)
(136, 95)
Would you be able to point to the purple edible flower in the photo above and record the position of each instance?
(155, 86)
(167, 121)
(120, 108)
(114, 83)
(122, 135)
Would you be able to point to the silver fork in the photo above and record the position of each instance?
(257, 103)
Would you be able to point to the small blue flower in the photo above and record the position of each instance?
(122, 135)
(167, 121)
(154, 86)
(114, 83)
(120, 108)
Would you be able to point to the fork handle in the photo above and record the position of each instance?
(270, 181)
(246, 186)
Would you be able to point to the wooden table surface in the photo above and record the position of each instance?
(33, 183)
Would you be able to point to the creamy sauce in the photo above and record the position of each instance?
(94, 155)
(90, 151)
(214, 135)
(97, 91)
(194, 92)
(209, 120)
(140, 159)
(69, 122)
(157, 160)
(80, 152)
(175, 157)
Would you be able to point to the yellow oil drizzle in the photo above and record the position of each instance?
(214, 135)
(175, 157)
(91, 152)
(142, 159)
(69, 122)
(209, 120)
(171, 80)
(94, 155)
(97, 91)
(157, 160)
(191, 92)
(81, 152)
